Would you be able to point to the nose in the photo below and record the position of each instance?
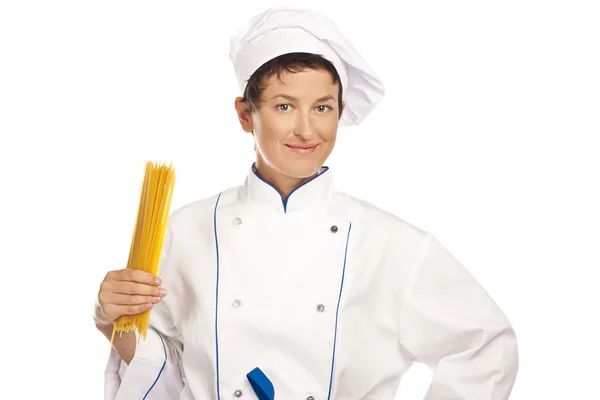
(305, 127)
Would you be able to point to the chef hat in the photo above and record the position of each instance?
(289, 29)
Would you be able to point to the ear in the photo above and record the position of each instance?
(244, 118)
(342, 110)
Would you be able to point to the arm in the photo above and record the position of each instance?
(154, 371)
(123, 343)
(450, 323)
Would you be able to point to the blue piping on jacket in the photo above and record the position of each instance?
(217, 302)
(284, 202)
(162, 368)
(338, 311)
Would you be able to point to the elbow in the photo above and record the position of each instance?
(508, 366)
(511, 350)
(511, 362)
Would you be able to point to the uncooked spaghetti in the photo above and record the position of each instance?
(148, 236)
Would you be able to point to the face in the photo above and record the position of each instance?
(295, 125)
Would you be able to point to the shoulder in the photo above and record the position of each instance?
(376, 218)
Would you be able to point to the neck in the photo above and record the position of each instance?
(283, 183)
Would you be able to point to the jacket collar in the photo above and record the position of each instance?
(311, 194)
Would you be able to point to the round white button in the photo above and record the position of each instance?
(237, 303)
(237, 393)
(237, 221)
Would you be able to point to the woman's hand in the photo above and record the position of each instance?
(127, 291)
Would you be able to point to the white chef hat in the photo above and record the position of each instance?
(288, 29)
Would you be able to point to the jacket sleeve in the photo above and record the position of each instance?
(449, 323)
(155, 372)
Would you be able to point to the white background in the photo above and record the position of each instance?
(487, 138)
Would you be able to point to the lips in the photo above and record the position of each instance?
(302, 149)
(301, 146)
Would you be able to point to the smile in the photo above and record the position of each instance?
(302, 150)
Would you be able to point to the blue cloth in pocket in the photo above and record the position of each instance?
(261, 384)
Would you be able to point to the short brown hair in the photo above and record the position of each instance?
(290, 62)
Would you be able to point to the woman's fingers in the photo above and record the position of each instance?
(132, 299)
(128, 291)
(132, 288)
(134, 275)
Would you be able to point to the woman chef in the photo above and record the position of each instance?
(285, 288)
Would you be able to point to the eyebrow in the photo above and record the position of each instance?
(292, 98)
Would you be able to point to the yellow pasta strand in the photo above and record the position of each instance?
(148, 235)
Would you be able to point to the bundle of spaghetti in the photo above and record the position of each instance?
(148, 236)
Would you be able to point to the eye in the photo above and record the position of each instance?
(324, 108)
(283, 107)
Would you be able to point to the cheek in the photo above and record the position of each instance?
(274, 128)
(327, 127)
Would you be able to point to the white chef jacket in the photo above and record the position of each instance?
(330, 296)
